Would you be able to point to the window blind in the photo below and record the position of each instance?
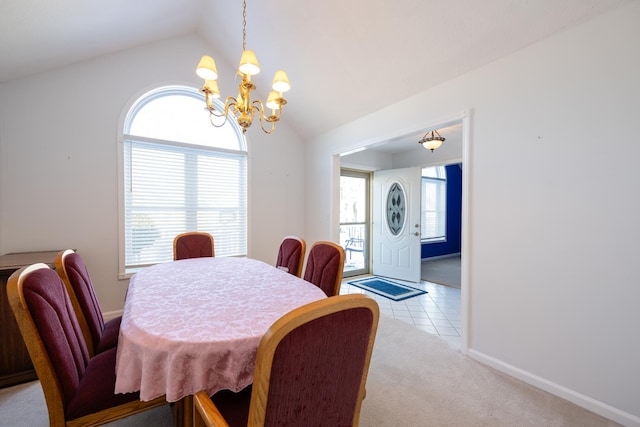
(170, 189)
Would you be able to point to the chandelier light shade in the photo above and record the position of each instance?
(207, 68)
(241, 107)
(431, 140)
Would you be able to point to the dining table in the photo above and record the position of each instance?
(195, 324)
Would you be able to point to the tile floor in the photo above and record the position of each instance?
(437, 311)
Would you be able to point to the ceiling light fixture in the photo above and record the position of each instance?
(242, 108)
(431, 140)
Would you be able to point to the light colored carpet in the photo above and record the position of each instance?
(418, 379)
(443, 271)
(415, 379)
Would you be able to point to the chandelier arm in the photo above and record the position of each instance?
(273, 127)
(216, 113)
(229, 102)
(211, 116)
(271, 118)
(257, 105)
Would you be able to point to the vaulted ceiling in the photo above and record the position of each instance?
(345, 59)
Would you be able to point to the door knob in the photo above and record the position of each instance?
(416, 234)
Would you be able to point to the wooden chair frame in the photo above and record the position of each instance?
(191, 233)
(44, 368)
(207, 414)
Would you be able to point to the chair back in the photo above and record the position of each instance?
(73, 272)
(78, 390)
(291, 255)
(51, 332)
(311, 368)
(193, 244)
(325, 265)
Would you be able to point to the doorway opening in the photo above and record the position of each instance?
(401, 152)
(442, 224)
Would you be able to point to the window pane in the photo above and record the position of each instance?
(354, 220)
(352, 200)
(434, 203)
(172, 189)
(182, 118)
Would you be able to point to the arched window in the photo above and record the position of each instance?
(180, 174)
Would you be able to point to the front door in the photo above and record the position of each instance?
(396, 224)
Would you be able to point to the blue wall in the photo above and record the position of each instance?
(454, 216)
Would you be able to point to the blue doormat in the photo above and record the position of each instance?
(386, 288)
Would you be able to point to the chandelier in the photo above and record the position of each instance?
(241, 107)
(431, 140)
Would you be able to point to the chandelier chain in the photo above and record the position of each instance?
(244, 25)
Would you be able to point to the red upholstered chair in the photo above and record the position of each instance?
(78, 389)
(325, 265)
(311, 369)
(291, 255)
(193, 244)
(99, 335)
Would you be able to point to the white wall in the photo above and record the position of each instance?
(367, 160)
(59, 159)
(553, 202)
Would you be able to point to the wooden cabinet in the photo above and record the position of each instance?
(15, 363)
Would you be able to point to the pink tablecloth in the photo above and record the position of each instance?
(196, 324)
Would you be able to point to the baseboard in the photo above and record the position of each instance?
(432, 258)
(593, 405)
(111, 315)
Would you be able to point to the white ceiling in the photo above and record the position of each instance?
(404, 143)
(345, 59)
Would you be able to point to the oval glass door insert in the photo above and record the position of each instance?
(396, 209)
